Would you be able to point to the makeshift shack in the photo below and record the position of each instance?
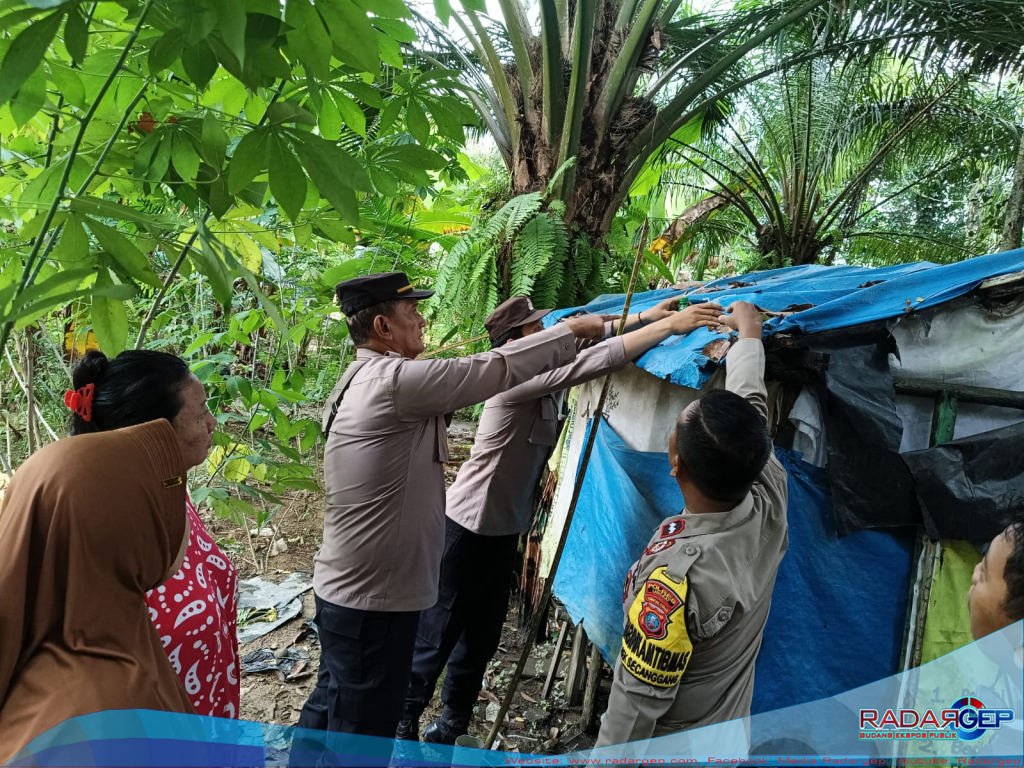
(897, 405)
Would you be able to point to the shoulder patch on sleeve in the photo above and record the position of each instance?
(672, 527)
(628, 583)
(656, 646)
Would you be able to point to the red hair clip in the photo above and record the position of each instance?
(81, 401)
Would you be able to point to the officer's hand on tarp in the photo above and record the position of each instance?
(693, 317)
(743, 317)
(589, 327)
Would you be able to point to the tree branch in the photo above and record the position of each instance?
(1013, 224)
(158, 300)
(554, 88)
(725, 187)
(621, 77)
(519, 34)
(490, 59)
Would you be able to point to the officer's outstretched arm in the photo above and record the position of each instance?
(424, 388)
(744, 365)
(652, 662)
(613, 354)
(644, 317)
(744, 375)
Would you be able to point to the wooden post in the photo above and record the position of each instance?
(927, 553)
(943, 427)
(575, 674)
(960, 393)
(593, 682)
(556, 659)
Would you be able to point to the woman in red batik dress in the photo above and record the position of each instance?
(195, 611)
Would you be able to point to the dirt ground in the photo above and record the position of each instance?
(532, 725)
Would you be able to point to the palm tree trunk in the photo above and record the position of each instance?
(1013, 224)
(691, 216)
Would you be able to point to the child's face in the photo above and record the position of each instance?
(987, 595)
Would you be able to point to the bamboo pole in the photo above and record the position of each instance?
(577, 667)
(577, 488)
(456, 345)
(556, 659)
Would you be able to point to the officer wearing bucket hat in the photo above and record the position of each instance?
(491, 504)
(386, 431)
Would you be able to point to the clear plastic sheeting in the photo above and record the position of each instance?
(968, 345)
(272, 605)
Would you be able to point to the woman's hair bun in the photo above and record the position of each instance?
(90, 369)
(137, 386)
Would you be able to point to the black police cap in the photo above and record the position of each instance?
(358, 293)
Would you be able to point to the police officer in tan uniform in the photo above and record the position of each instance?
(697, 600)
(386, 428)
(491, 504)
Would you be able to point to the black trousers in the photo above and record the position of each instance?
(365, 658)
(464, 629)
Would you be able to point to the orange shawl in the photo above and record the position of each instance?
(89, 524)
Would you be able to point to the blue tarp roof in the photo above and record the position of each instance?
(842, 297)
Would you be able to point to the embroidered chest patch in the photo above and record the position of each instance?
(658, 546)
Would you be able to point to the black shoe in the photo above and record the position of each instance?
(446, 731)
(408, 730)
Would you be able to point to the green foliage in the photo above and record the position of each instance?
(197, 175)
(540, 242)
(165, 113)
(861, 164)
(179, 174)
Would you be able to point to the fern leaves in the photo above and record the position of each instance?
(520, 250)
(542, 240)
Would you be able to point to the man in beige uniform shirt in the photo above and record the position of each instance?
(384, 475)
(697, 600)
(491, 504)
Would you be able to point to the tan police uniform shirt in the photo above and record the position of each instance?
(697, 600)
(384, 467)
(493, 493)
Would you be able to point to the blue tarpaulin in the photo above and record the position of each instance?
(838, 610)
(842, 297)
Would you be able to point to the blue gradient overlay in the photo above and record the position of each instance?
(824, 732)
